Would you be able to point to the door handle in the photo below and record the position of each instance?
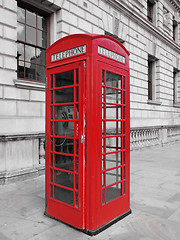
(82, 138)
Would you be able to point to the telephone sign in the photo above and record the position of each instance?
(87, 132)
(111, 54)
(68, 53)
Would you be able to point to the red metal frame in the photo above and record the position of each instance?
(94, 210)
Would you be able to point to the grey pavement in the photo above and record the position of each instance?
(155, 202)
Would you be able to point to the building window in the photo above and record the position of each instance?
(150, 6)
(175, 28)
(176, 86)
(150, 76)
(31, 44)
(152, 61)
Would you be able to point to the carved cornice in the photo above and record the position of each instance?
(176, 4)
(45, 5)
(139, 19)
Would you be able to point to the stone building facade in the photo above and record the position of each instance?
(149, 29)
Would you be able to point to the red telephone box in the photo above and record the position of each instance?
(87, 131)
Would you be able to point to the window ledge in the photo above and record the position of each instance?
(154, 102)
(29, 85)
(177, 105)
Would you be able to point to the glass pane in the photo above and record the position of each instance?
(113, 176)
(41, 38)
(103, 145)
(20, 31)
(77, 181)
(31, 35)
(124, 158)
(41, 22)
(64, 129)
(51, 160)
(20, 70)
(113, 80)
(20, 51)
(77, 147)
(64, 95)
(103, 77)
(51, 194)
(77, 76)
(124, 188)
(40, 73)
(103, 179)
(103, 95)
(103, 111)
(64, 145)
(64, 112)
(103, 162)
(113, 192)
(30, 71)
(63, 178)
(124, 98)
(103, 127)
(64, 162)
(113, 127)
(64, 79)
(123, 112)
(51, 128)
(124, 173)
(40, 56)
(77, 164)
(113, 112)
(51, 176)
(64, 195)
(51, 97)
(29, 54)
(30, 18)
(77, 111)
(124, 82)
(52, 144)
(124, 143)
(52, 81)
(113, 160)
(113, 144)
(103, 196)
(113, 96)
(20, 14)
(77, 200)
(77, 94)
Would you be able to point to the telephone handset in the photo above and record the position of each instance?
(64, 128)
(65, 116)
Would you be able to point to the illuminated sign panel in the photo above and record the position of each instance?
(68, 53)
(111, 54)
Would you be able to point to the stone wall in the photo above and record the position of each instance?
(21, 156)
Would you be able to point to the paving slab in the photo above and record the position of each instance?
(155, 204)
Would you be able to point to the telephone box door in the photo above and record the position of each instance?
(115, 171)
(65, 145)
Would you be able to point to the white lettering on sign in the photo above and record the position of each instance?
(68, 53)
(111, 54)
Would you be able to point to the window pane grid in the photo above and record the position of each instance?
(113, 136)
(20, 41)
(34, 40)
(65, 123)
